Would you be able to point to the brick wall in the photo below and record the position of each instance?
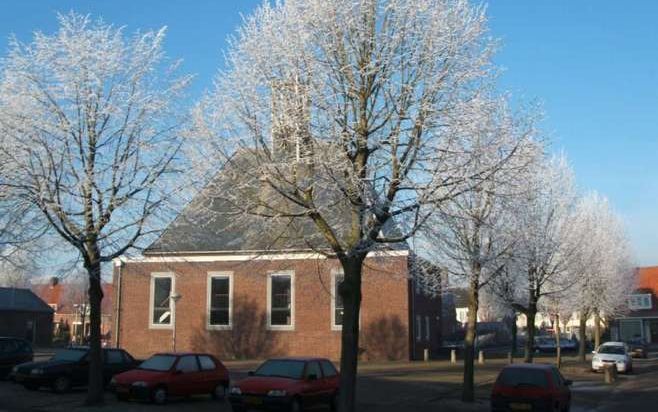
(384, 317)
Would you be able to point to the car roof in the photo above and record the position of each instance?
(535, 366)
(299, 358)
(613, 344)
(182, 354)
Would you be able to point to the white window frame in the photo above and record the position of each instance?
(219, 275)
(172, 304)
(270, 275)
(427, 328)
(334, 274)
(419, 328)
(640, 301)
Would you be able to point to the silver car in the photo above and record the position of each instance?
(613, 353)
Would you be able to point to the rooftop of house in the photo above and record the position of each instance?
(214, 222)
(64, 296)
(22, 300)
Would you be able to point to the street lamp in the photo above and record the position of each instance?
(174, 297)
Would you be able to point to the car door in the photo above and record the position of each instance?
(330, 378)
(186, 376)
(313, 385)
(80, 370)
(209, 376)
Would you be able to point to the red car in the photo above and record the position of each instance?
(531, 387)
(287, 384)
(173, 374)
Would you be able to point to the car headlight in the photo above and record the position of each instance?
(235, 391)
(140, 384)
(276, 392)
(36, 371)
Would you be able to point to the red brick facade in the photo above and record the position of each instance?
(388, 319)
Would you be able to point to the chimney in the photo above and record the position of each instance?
(54, 281)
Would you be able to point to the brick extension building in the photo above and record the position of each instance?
(254, 296)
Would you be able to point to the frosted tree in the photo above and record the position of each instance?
(90, 136)
(471, 235)
(545, 242)
(16, 268)
(349, 115)
(603, 265)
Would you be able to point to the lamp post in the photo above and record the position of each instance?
(174, 297)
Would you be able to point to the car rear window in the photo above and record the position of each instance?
(328, 368)
(514, 377)
(158, 363)
(281, 368)
(207, 364)
(612, 349)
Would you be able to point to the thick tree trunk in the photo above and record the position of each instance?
(582, 337)
(558, 349)
(96, 386)
(468, 390)
(350, 291)
(515, 333)
(531, 313)
(597, 329)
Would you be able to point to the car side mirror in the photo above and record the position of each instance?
(250, 373)
(312, 377)
(568, 382)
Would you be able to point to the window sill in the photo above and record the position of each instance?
(161, 327)
(219, 327)
(281, 328)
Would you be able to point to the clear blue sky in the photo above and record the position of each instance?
(593, 64)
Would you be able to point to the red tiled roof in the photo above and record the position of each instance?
(647, 278)
(57, 295)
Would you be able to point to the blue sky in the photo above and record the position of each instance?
(593, 65)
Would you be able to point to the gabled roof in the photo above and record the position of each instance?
(59, 294)
(15, 299)
(213, 223)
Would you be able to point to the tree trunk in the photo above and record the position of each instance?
(582, 336)
(350, 291)
(530, 314)
(515, 333)
(96, 386)
(597, 329)
(558, 349)
(468, 387)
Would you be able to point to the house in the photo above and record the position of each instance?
(212, 287)
(642, 319)
(70, 303)
(24, 315)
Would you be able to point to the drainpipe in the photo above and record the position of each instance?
(117, 314)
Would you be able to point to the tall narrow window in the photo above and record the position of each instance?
(427, 328)
(219, 300)
(281, 300)
(161, 305)
(419, 328)
(337, 307)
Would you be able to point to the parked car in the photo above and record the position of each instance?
(531, 387)
(613, 353)
(547, 344)
(173, 374)
(287, 384)
(638, 348)
(13, 351)
(70, 367)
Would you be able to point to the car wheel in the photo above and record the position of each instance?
(159, 395)
(62, 384)
(295, 405)
(219, 392)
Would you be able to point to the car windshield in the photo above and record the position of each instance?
(71, 355)
(612, 349)
(518, 377)
(281, 368)
(158, 363)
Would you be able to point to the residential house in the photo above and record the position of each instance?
(641, 321)
(24, 315)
